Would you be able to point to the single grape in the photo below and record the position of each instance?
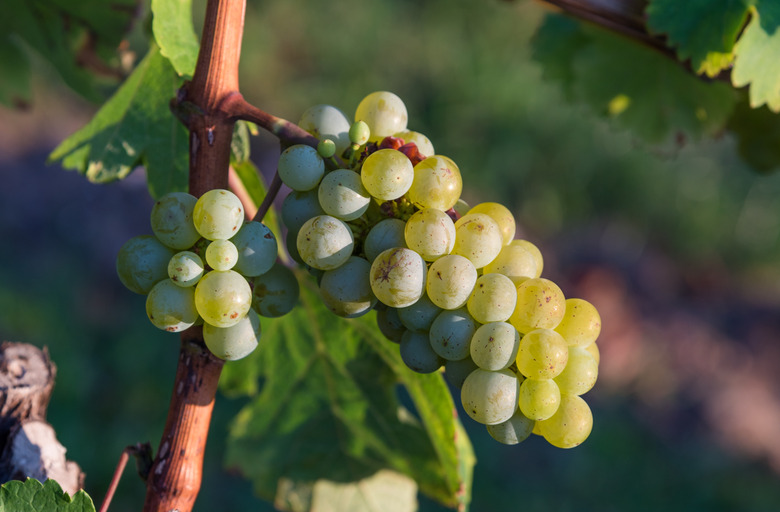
(581, 323)
(359, 133)
(383, 112)
(450, 281)
(221, 255)
(346, 290)
(341, 194)
(325, 242)
(170, 307)
(455, 372)
(327, 122)
(389, 324)
(417, 354)
(398, 277)
(570, 425)
(257, 249)
(142, 262)
(387, 174)
(539, 399)
(493, 299)
(171, 220)
(535, 252)
(437, 183)
(542, 354)
(490, 397)
(478, 238)
(298, 207)
(451, 334)
(420, 315)
(512, 431)
(540, 305)
(326, 148)
(431, 233)
(300, 167)
(223, 297)
(275, 293)
(218, 214)
(423, 143)
(494, 346)
(580, 374)
(386, 234)
(503, 217)
(185, 269)
(234, 342)
(514, 261)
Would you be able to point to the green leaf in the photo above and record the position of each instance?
(703, 31)
(134, 127)
(327, 409)
(555, 45)
(758, 56)
(175, 35)
(15, 69)
(34, 496)
(757, 131)
(240, 144)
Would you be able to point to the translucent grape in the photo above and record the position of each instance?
(342, 195)
(142, 262)
(383, 112)
(346, 290)
(325, 242)
(494, 346)
(359, 133)
(594, 351)
(450, 281)
(456, 371)
(221, 255)
(386, 234)
(326, 148)
(275, 293)
(437, 183)
(234, 342)
(398, 277)
(387, 174)
(514, 261)
(542, 354)
(478, 238)
(490, 397)
(185, 268)
(417, 354)
(300, 167)
(389, 324)
(223, 297)
(539, 399)
(570, 425)
(535, 252)
(420, 315)
(171, 220)
(540, 305)
(298, 207)
(512, 431)
(327, 122)
(170, 307)
(581, 323)
(580, 374)
(423, 143)
(431, 233)
(218, 214)
(451, 334)
(257, 249)
(502, 216)
(493, 299)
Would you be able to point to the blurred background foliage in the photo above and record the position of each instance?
(676, 243)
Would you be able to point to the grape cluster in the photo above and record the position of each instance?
(375, 214)
(238, 280)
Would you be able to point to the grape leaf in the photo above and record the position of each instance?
(34, 496)
(175, 35)
(757, 53)
(134, 127)
(757, 131)
(327, 409)
(703, 31)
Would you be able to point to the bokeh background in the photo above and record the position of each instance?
(677, 245)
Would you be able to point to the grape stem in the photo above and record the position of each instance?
(273, 191)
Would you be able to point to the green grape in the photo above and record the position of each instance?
(570, 425)
(490, 397)
(478, 238)
(540, 305)
(325, 242)
(298, 207)
(171, 220)
(580, 374)
(437, 183)
(423, 143)
(389, 324)
(327, 122)
(542, 354)
(417, 354)
(514, 261)
(594, 351)
(300, 167)
(512, 431)
(346, 290)
(503, 217)
(450, 281)
(386, 234)
(494, 346)
(461, 208)
(257, 249)
(455, 372)
(539, 399)
(234, 342)
(275, 293)
(185, 269)
(420, 315)
(326, 148)
(359, 133)
(170, 307)
(223, 297)
(581, 323)
(218, 214)
(431, 233)
(535, 252)
(451, 334)
(398, 277)
(221, 255)
(342, 195)
(383, 112)
(387, 174)
(142, 262)
(493, 300)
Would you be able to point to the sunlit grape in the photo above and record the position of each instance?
(383, 112)
(218, 214)
(437, 183)
(490, 397)
(171, 220)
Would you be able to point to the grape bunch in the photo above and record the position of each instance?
(375, 214)
(205, 265)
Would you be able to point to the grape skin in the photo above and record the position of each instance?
(514, 430)
(417, 354)
(502, 216)
(257, 249)
(437, 183)
(170, 307)
(581, 323)
(540, 305)
(298, 207)
(456, 371)
(451, 334)
(275, 293)
(420, 315)
(535, 252)
(450, 281)
(185, 269)
(390, 325)
(539, 399)
(398, 277)
(423, 143)
(221, 255)
(386, 234)
(341, 194)
(387, 174)
(234, 342)
(171, 220)
(383, 112)
(218, 214)
(490, 397)
(346, 290)
(493, 299)
(431, 233)
(142, 262)
(223, 297)
(542, 354)
(478, 238)
(325, 242)
(570, 425)
(327, 122)
(514, 261)
(494, 346)
(300, 167)
(580, 374)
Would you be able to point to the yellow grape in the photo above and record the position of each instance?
(503, 217)
(437, 183)
(581, 323)
(570, 425)
(542, 354)
(540, 305)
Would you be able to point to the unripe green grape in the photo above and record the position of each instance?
(594, 351)
(223, 297)
(359, 133)
(300, 167)
(275, 293)
(383, 112)
(490, 397)
(170, 307)
(171, 220)
(539, 399)
(540, 305)
(455, 372)
(451, 334)
(512, 431)
(503, 217)
(417, 354)
(419, 316)
(581, 323)
(493, 299)
(325, 242)
(326, 148)
(257, 249)
(423, 143)
(494, 346)
(389, 324)
(387, 174)
(542, 354)
(234, 342)
(327, 122)
(221, 255)
(185, 269)
(514, 261)
(218, 214)
(431, 233)
(342, 195)
(477, 238)
(386, 234)
(437, 183)
(535, 252)
(570, 425)
(346, 290)
(398, 277)
(298, 207)
(142, 262)
(450, 281)
(580, 374)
